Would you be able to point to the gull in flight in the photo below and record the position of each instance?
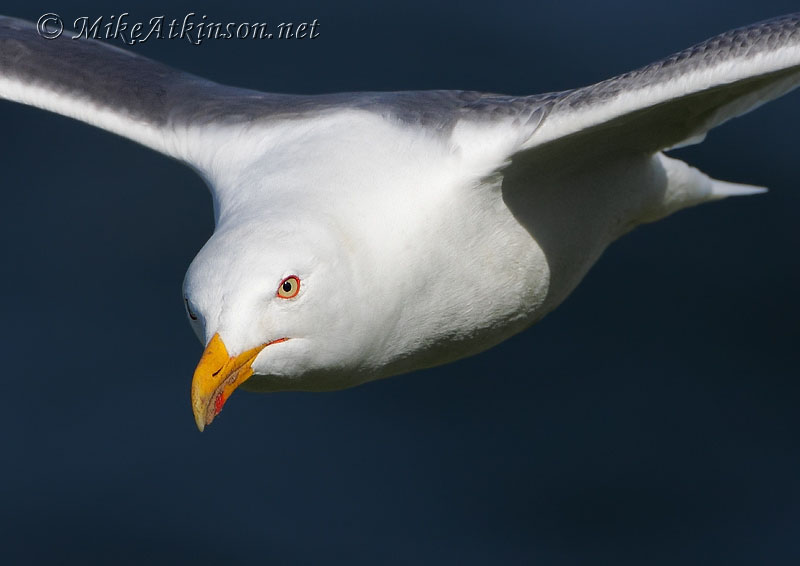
(363, 235)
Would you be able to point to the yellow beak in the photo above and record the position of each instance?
(216, 376)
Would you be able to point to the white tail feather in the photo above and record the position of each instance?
(722, 189)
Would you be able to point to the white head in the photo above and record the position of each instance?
(276, 307)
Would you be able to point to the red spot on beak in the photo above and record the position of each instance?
(219, 402)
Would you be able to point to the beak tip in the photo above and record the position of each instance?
(198, 410)
(199, 421)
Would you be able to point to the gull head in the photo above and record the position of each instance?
(277, 309)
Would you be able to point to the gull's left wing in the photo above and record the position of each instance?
(674, 101)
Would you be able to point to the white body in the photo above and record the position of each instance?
(445, 255)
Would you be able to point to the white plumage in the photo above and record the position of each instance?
(363, 235)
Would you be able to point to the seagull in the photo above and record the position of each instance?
(363, 235)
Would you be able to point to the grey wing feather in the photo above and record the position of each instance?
(675, 101)
(113, 88)
(671, 102)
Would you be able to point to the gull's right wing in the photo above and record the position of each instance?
(119, 91)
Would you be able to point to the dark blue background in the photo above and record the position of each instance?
(652, 419)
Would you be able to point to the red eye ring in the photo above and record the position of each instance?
(289, 287)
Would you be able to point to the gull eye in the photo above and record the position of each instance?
(189, 309)
(289, 287)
